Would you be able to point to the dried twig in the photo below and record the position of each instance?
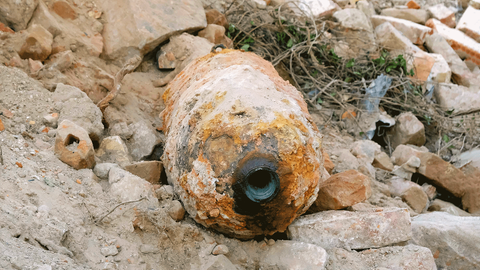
(118, 205)
(117, 82)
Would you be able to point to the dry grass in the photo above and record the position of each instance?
(337, 83)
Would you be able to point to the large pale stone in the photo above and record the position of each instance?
(352, 230)
(407, 130)
(454, 241)
(460, 72)
(312, 8)
(128, 187)
(414, 32)
(365, 149)
(458, 98)
(17, 13)
(148, 170)
(470, 23)
(66, 33)
(464, 46)
(392, 39)
(356, 32)
(443, 206)
(443, 14)
(342, 190)
(293, 255)
(414, 15)
(475, 4)
(139, 26)
(77, 107)
(113, 149)
(398, 257)
(433, 167)
(440, 72)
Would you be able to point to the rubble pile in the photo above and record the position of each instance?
(126, 130)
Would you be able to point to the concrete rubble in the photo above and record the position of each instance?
(161, 177)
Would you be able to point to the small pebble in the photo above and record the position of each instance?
(220, 250)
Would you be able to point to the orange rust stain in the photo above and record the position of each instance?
(19, 164)
(2, 127)
(83, 146)
(436, 254)
(349, 114)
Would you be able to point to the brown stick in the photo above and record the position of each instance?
(117, 82)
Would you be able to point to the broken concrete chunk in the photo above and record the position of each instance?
(353, 19)
(113, 150)
(341, 191)
(416, 33)
(475, 4)
(460, 72)
(79, 108)
(407, 130)
(176, 210)
(443, 206)
(217, 262)
(143, 141)
(62, 60)
(414, 15)
(393, 40)
(148, 170)
(216, 17)
(313, 8)
(17, 13)
(470, 23)
(443, 14)
(109, 251)
(366, 7)
(433, 167)
(352, 230)
(413, 5)
(464, 46)
(51, 120)
(140, 26)
(442, 233)
(416, 198)
(216, 35)
(38, 44)
(293, 255)
(365, 149)
(128, 187)
(397, 257)
(64, 10)
(101, 170)
(457, 98)
(382, 161)
(166, 61)
(73, 146)
(440, 72)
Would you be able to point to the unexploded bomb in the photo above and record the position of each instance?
(241, 148)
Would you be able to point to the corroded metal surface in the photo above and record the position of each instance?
(242, 150)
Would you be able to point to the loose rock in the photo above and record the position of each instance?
(73, 146)
(176, 211)
(407, 130)
(113, 150)
(294, 255)
(38, 44)
(148, 170)
(442, 233)
(352, 230)
(342, 190)
(17, 13)
(401, 258)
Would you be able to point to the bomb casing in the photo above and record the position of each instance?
(241, 149)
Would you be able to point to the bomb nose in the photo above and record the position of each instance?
(257, 182)
(261, 184)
